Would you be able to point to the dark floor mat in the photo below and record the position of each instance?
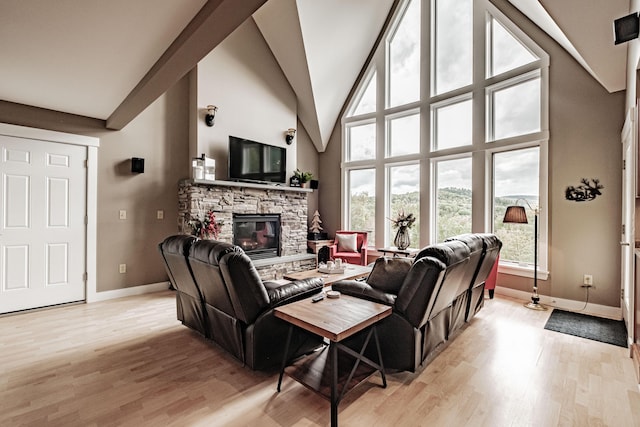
(590, 327)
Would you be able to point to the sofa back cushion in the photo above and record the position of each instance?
(493, 245)
(174, 250)
(204, 258)
(477, 250)
(455, 256)
(418, 291)
(247, 292)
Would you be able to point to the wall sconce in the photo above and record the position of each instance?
(291, 132)
(210, 118)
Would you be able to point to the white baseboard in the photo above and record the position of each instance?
(605, 311)
(127, 292)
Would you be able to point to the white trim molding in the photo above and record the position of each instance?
(127, 292)
(605, 311)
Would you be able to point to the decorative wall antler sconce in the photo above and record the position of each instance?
(291, 132)
(210, 117)
(585, 192)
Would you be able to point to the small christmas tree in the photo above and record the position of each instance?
(315, 223)
(315, 230)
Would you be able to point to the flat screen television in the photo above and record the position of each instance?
(253, 161)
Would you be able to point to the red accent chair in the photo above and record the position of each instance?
(490, 284)
(350, 250)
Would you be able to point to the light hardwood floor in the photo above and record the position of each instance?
(129, 362)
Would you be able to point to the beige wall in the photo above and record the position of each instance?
(255, 101)
(585, 125)
(160, 136)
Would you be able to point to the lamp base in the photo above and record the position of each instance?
(535, 306)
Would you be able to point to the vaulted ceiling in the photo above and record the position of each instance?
(108, 60)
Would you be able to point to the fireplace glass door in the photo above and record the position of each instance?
(257, 234)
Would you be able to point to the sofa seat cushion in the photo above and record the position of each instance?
(293, 291)
(350, 255)
(357, 288)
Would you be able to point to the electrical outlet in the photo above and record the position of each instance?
(160, 214)
(122, 268)
(123, 214)
(587, 280)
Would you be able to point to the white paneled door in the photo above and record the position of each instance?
(42, 223)
(627, 243)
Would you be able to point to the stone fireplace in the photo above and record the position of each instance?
(230, 199)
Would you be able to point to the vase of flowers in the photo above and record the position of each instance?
(403, 222)
(206, 228)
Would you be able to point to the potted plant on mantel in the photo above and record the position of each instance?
(299, 178)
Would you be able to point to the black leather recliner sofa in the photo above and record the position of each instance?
(220, 294)
(432, 295)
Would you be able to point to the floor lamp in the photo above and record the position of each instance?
(516, 215)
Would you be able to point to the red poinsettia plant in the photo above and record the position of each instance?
(206, 228)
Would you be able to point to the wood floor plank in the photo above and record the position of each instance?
(129, 362)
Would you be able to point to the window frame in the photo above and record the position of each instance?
(506, 84)
(481, 148)
(433, 214)
(434, 123)
(511, 267)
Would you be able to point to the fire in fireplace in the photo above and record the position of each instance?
(257, 234)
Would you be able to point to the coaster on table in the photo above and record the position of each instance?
(333, 294)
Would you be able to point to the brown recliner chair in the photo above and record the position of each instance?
(189, 309)
(421, 292)
(239, 305)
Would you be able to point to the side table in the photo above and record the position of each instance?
(315, 245)
(335, 320)
(397, 252)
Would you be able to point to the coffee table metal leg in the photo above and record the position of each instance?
(285, 356)
(333, 353)
(375, 338)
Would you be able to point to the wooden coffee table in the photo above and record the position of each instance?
(335, 320)
(351, 271)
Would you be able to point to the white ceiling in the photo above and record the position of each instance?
(585, 29)
(110, 59)
(84, 56)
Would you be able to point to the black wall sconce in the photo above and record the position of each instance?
(291, 132)
(210, 117)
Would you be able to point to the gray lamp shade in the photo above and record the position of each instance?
(516, 215)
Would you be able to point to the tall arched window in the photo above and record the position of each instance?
(450, 123)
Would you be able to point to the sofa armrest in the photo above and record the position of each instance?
(364, 255)
(332, 250)
(293, 291)
(360, 289)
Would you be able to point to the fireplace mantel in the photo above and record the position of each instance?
(281, 187)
